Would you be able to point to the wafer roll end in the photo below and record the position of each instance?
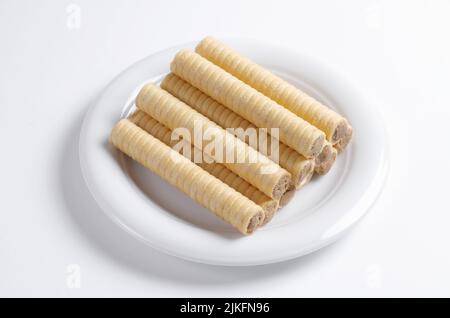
(270, 207)
(317, 146)
(115, 132)
(281, 186)
(287, 197)
(345, 140)
(325, 160)
(304, 175)
(207, 40)
(254, 222)
(339, 131)
(181, 55)
(140, 98)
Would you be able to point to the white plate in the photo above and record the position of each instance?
(169, 221)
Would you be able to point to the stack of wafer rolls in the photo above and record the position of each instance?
(248, 102)
(174, 114)
(207, 190)
(164, 134)
(336, 127)
(233, 103)
(300, 167)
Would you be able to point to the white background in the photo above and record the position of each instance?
(398, 52)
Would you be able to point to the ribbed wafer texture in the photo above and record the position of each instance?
(299, 166)
(158, 130)
(255, 168)
(248, 102)
(207, 190)
(274, 87)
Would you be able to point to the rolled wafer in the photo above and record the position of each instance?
(286, 197)
(340, 146)
(301, 169)
(262, 173)
(158, 130)
(248, 102)
(325, 159)
(270, 206)
(207, 190)
(285, 94)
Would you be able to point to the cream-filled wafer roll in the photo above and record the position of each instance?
(158, 130)
(207, 190)
(340, 146)
(285, 94)
(297, 165)
(255, 168)
(325, 159)
(270, 206)
(286, 197)
(248, 102)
